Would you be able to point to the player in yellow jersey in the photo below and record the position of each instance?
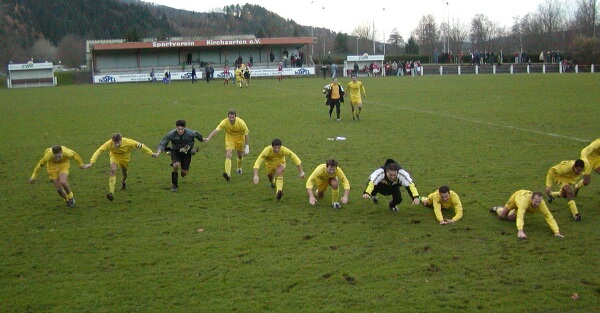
(57, 161)
(239, 76)
(328, 174)
(236, 138)
(444, 199)
(274, 158)
(591, 154)
(356, 88)
(566, 174)
(525, 201)
(119, 155)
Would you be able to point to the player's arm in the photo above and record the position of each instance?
(75, 155)
(214, 132)
(437, 209)
(550, 219)
(345, 184)
(297, 161)
(310, 184)
(198, 136)
(163, 144)
(550, 178)
(39, 165)
(413, 192)
(458, 209)
(139, 145)
(520, 220)
(246, 144)
(257, 163)
(96, 154)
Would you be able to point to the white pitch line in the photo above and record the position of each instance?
(489, 124)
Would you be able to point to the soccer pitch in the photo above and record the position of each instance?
(485, 136)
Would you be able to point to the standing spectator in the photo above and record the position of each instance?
(435, 56)
(212, 72)
(280, 72)
(207, 73)
(167, 76)
(236, 138)
(324, 70)
(356, 68)
(181, 150)
(193, 74)
(324, 175)
(525, 201)
(274, 158)
(285, 57)
(271, 56)
(394, 68)
(119, 155)
(152, 78)
(251, 60)
(333, 70)
(57, 161)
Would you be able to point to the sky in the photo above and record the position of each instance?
(340, 16)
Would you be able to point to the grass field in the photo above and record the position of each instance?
(485, 136)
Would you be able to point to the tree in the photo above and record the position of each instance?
(71, 50)
(411, 46)
(457, 35)
(340, 43)
(481, 32)
(43, 50)
(582, 50)
(396, 41)
(427, 33)
(550, 15)
(363, 33)
(585, 16)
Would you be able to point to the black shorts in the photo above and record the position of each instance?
(183, 158)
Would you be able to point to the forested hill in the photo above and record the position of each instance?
(23, 23)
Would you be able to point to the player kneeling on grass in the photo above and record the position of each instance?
(387, 180)
(444, 198)
(328, 174)
(566, 174)
(119, 153)
(274, 158)
(57, 161)
(525, 201)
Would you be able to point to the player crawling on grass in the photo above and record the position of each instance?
(444, 199)
(181, 150)
(119, 155)
(274, 158)
(328, 174)
(387, 180)
(522, 202)
(566, 174)
(57, 161)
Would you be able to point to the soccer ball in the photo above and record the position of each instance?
(366, 55)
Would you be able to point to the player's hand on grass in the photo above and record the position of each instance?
(31, 180)
(444, 222)
(416, 200)
(86, 166)
(312, 200)
(559, 235)
(301, 175)
(521, 234)
(255, 179)
(344, 199)
(366, 196)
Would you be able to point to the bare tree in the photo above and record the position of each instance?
(585, 17)
(427, 34)
(71, 50)
(457, 33)
(364, 33)
(481, 32)
(43, 50)
(550, 14)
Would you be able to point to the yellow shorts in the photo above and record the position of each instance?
(272, 168)
(55, 169)
(122, 162)
(235, 144)
(355, 101)
(594, 164)
(322, 185)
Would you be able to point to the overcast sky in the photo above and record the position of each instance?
(340, 16)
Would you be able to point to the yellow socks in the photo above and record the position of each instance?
(335, 193)
(228, 166)
(572, 207)
(279, 183)
(111, 183)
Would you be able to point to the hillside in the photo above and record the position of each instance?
(53, 30)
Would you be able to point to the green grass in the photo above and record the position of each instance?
(485, 136)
